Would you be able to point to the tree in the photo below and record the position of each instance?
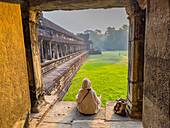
(111, 40)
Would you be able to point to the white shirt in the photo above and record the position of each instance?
(91, 103)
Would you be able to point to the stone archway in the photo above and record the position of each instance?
(136, 18)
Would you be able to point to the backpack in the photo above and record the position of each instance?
(120, 106)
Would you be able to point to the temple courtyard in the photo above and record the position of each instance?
(108, 74)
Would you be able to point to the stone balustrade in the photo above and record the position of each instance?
(51, 64)
(61, 76)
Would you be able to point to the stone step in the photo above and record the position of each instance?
(35, 118)
(104, 124)
(66, 112)
(66, 115)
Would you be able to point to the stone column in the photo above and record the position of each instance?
(64, 50)
(68, 50)
(71, 49)
(30, 24)
(57, 52)
(135, 59)
(61, 50)
(74, 49)
(50, 50)
(42, 51)
(45, 51)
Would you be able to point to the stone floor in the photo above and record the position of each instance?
(65, 115)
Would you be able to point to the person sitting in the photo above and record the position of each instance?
(87, 100)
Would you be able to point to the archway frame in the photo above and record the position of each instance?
(136, 16)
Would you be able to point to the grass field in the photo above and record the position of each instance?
(107, 73)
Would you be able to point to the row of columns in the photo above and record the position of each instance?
(49, 50)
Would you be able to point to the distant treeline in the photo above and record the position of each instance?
(111, 40)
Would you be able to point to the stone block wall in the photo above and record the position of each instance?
(14, 89)
(156, 100)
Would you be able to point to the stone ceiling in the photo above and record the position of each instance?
(49, 5)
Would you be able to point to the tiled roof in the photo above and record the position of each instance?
(61, 40)
(47, 23)
(44, 33)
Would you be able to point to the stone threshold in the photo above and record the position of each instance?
(66, 115)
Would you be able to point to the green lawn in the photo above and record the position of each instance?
(107, 73)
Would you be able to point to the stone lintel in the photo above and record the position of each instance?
(49, 5)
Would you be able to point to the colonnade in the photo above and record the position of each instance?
(51, 50)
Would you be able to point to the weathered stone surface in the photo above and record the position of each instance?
(23, 122)
(103, 124)
(49, 79)
(142, 3)
(14, 87)
(54, 125)
(29, 20)
(62, 112)
(90, 124)
(156, 86)
(129, 124)
(136, 18)
(75, 4)
(66, 112)
(35, 118)
(99, 116)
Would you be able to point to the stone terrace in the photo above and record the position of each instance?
(65, 115)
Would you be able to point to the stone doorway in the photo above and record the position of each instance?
(136, 18)
(21, 66)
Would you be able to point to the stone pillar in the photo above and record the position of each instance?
(64, 50)
(136, 59)
(50, 50)
(68, 49)
(74, 49)
(71, 49)
(42, 51)
(30, 24)
(45, 51)
(57, 52)
(61, 50)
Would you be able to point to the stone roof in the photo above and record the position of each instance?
(43, 33)
(61, 40)
(47, 23)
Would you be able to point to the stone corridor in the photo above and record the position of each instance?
(65, 115)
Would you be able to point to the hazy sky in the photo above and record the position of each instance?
(91, 19)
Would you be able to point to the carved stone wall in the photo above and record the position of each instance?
(30, 24)
(156, 100)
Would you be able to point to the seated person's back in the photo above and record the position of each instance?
(87, 100)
